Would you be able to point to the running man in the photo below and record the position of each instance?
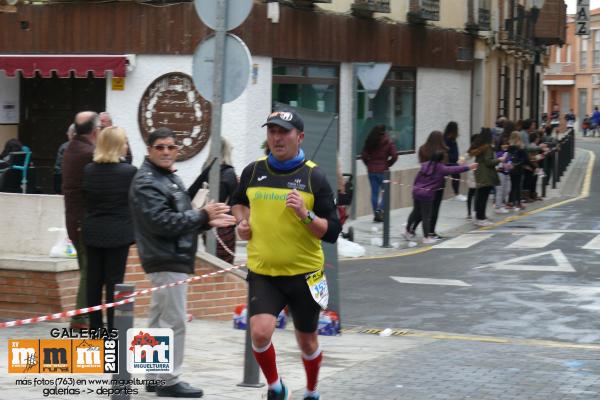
(284, 207)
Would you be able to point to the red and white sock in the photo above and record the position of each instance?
(267, 360)
(312, 364)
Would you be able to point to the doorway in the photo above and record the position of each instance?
(48, 107)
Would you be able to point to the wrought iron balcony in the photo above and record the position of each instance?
(483, 19)
(424, 10)
(371, 6)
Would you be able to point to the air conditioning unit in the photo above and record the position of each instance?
(595, 79)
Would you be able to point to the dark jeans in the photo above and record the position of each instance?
(106, 267)
(422, 211)
(376, 180)
(529, 181)
(481, 198)
(435, 211)
(470, 197)
(455, 183)
(515, 189)
(58, 183)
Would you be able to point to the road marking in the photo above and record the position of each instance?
(475, 338)
(586, 297)
(593, 244)
(429, 281)
(463, 241)
(534, 241)
(514, 264)
(536, 231)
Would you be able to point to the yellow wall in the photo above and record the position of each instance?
(7, 132)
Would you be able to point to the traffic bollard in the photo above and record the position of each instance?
(123, 321)
(251, 372)
(386, 210)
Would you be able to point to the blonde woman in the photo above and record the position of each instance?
(107, 227)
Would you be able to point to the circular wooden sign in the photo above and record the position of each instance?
(171, 101)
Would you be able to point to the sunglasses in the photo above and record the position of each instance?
(162, 147)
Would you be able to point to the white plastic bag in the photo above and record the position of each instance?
(347, 248)
(63, 247)
(201, 198)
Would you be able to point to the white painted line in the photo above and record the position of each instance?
(463, 241)
(429, 281)
(593, 244)
(584, 297)
(534, 231)
(534, 241)
(515, 264)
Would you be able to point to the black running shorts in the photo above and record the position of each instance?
(270, 294)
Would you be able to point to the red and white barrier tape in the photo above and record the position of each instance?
(129, 297)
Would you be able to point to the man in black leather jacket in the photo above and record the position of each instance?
(166, 233)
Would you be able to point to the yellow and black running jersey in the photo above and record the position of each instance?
(281, 245)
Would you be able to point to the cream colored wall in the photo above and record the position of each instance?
(26, 220)
(453, 13)
(398, 9)
(7, 132)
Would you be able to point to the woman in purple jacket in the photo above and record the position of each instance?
(428, 181)
(379, 154)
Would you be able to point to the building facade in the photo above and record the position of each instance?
(572, 79)
(466, 60)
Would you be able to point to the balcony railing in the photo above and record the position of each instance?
(424, 10)
(371, 6)
(483, 19)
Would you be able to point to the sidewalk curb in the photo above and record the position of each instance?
(583, 193)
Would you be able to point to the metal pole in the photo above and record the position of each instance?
(250, 365)
(217, 108)
(555, 169)
(123, 321)
(353, 160)
(545, 178)
(386, 209)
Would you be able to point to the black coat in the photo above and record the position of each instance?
(107, 220)
(166, 225)
(227, 183)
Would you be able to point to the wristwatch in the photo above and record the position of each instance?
(309, 218)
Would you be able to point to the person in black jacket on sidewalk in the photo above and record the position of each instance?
(107, 231)
(166, 234)
(228, 183)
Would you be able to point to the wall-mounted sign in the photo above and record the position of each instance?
(118, 83)
(9, 113)
(582, 18)
(172, 101)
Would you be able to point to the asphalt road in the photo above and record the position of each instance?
(537, 277)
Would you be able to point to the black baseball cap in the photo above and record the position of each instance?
(286, 119)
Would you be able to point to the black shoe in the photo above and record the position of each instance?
(436, 236)
(181, 389)
(378, 216)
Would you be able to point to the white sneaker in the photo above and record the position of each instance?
(502, 210)
(430, 240)
(460, 197)
(408, 236)
(483, 222)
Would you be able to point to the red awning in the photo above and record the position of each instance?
(63, 65)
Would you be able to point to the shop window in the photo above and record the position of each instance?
(311, 86)
(393, 106)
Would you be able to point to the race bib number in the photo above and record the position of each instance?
(317, 283)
